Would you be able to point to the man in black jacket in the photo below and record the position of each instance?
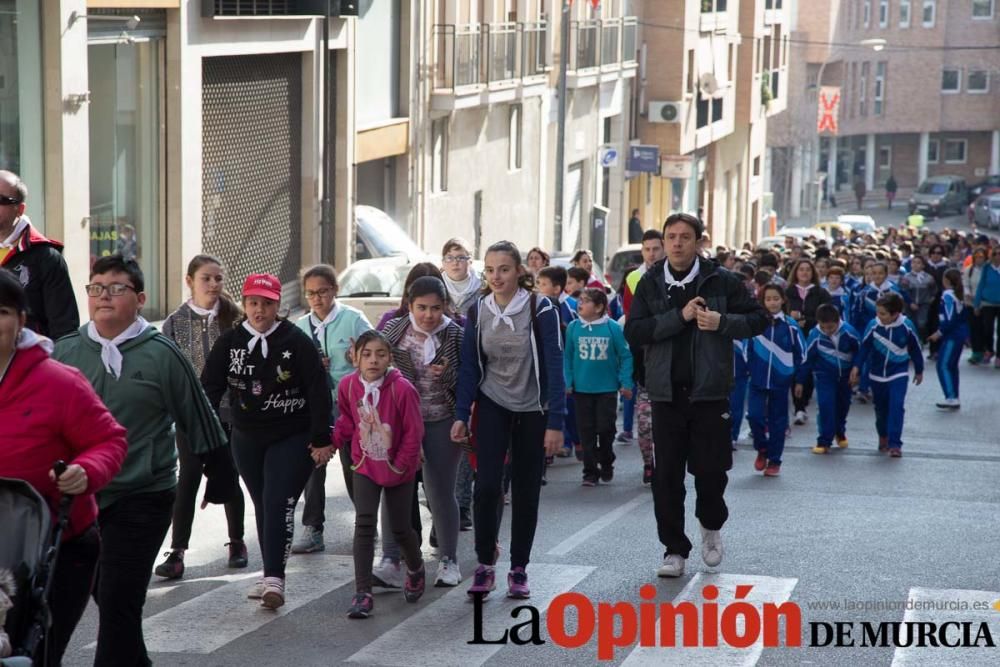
(37, 262)
(685, 314)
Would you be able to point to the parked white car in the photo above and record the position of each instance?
(862, 223)
(378, 235)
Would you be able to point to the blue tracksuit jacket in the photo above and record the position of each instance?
(775, 355)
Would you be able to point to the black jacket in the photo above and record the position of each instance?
(816, 297)
(653, 322)
(39, 265)
(272, 398)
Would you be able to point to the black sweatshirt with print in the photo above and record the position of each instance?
(271, 398)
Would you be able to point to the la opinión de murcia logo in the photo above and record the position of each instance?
(739, 624)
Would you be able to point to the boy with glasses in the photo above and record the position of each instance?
(462, 283)
(149, 386)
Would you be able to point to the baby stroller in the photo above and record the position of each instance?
(28, 552)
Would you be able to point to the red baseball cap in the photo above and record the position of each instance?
(262, 284)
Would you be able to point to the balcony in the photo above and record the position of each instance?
(485, 63)
(602, 50)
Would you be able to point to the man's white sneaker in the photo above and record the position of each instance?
(711, 547)
(257, 592)
(801, 417)
(673, 566)
(388, 575)
(448, 573)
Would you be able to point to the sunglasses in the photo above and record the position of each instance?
(9, 201)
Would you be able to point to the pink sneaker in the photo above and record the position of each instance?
(517, 584)
(483, 581)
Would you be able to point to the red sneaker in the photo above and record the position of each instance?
(772, 470)
(883, 444)
(761, 461)
(895, 452)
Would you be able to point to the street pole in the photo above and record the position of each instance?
(329, 145)
(564, 32)
(819, 179)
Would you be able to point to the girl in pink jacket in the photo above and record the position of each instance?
(379, 419)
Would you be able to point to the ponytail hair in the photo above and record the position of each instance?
(230, 312)
(954, 277)
(525, 280)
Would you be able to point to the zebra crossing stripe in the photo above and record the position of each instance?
(932, 605)
(765, 589)
(584, 534)
(439, 633)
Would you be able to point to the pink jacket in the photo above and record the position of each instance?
(49, 411)
(385, 443)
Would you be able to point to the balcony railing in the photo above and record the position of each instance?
(478, 54)
(630, 39)
(603, 43)
(585, 38)
(611, 34)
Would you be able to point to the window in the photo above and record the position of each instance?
(954, 151)
(904, 13)
(979, 81)
(867, 13)
(933, 147)
(756, 166)
(951, 81)
(784, 52)
(883, 13)
(929, 10)
(879, 96)
(709, 6)
(982, 9)
(885, 158)
(863, 90)
(692, 75)
(439, 155)
(514, 138)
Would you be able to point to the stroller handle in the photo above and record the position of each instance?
(59, 467)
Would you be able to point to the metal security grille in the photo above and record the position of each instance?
(251, 7)
(251, 160)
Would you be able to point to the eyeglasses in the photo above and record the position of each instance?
(9, 201)
(114, 289)
(321, 293)
(456, 259)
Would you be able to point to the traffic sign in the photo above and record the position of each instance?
(608, 156)
(643, 159)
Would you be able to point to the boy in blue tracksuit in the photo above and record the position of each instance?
(888, 345)
(953, 330)
(864, 306)
(551, 282)
(840, 296)
(774, 357)
(597, 366)
(741, 380)
(830, 352)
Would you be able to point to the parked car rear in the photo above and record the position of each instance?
(940, 194)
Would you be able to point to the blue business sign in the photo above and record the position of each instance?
(644, 159)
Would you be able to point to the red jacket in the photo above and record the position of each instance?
(49, 411)
(386, 450)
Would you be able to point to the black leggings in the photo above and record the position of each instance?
(275, 474)
(398, 504)
(188, 481)
(72, 583)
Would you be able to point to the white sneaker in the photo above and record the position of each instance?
(711, 547)
(673, 566)
(388, 575)
(310, 541)
(448, 574)
(274, 593)
(257, 592)
(949, 404)
(801, 417)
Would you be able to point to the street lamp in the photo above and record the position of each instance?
(875, 44)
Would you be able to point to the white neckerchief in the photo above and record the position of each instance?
(896, 322)
(958, 304)
(689, 278)
(459, 290)
(803, 291)
(319, 327)
(256, 336)
(836, 292)
(938, 264)
(372, 390)
(431, 342)
(111, 356)
(886, 286)
(11, 240)
(210, 313)
(589, 326)
(563, 297)
(516, 305)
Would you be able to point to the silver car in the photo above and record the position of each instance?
(987, 212)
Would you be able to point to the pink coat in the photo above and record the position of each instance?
(50, 412)
(385, 443)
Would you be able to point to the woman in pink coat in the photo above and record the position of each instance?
(49, 412)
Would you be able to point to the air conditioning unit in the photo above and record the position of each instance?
(665, 112)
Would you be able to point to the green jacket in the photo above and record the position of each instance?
(157, 388)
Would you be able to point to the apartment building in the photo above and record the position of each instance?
(925, 103)
(485, 136)
(712, 73)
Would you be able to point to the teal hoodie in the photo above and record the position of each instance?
(597, 359)
(337, 336)
(157, 388)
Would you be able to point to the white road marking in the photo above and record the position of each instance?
(438, 633)
(210, 621)
(594, 527)
(946, 657)
(765, 589)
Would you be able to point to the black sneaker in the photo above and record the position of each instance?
(647, 474)
(464, 519)
(173, 567)
(414, 587)
(361, 606)
(237, 554)
(607, 473)
(590, 480)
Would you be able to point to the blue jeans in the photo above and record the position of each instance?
(834, 399)
(628, 412)
(769, 411)
(889, 399)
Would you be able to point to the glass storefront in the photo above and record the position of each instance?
(21, 148)
(126, 194)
